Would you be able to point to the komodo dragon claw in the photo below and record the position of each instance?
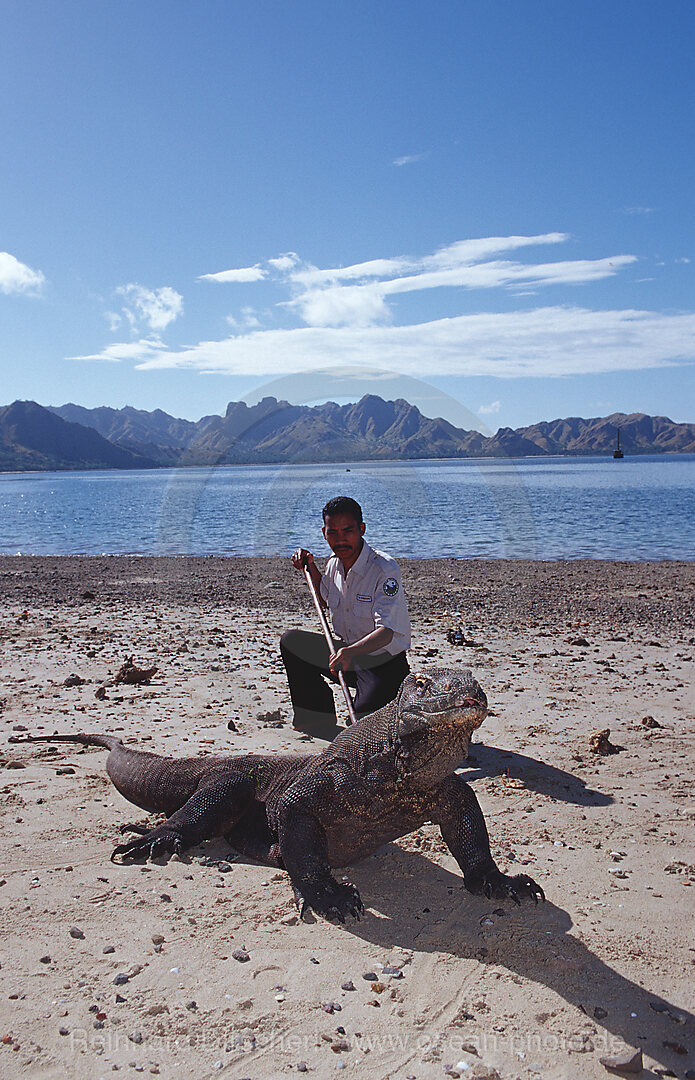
(502, 886)
(153, 842)
(333, 901)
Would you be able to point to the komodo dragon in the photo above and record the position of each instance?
(379, 779)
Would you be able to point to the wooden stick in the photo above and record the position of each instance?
(330, 642)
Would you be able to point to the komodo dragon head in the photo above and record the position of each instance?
(437, 712)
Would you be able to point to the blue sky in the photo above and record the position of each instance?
(484, 207)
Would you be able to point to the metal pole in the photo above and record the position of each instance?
(330, 642)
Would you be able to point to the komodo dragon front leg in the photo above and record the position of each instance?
(304, 848)
(211, 811)
(461, 821)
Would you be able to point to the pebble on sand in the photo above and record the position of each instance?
(628, 1060)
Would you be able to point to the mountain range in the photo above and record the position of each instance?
(72, 437)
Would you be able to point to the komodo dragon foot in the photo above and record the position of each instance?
(329, 899)
(163, 840)
(493, 883)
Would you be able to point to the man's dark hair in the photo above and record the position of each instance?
(343, 504)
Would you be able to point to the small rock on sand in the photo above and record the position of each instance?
(599, 743)
(626, 1061)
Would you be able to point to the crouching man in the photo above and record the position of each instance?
(362, 589)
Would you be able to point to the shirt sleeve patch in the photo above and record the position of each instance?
(391, 586)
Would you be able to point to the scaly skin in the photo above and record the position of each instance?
(378, 780)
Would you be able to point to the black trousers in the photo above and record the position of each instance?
(377, 678)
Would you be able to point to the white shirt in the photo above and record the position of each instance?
(368, 597)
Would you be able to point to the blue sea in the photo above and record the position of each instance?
(531, 508)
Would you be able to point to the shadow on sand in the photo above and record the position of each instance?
(532, 942)
(485, 761)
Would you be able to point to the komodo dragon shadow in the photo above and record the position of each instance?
(485, 761)
(432, 913)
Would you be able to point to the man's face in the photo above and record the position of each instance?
(344, 537)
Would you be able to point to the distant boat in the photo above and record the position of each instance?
(617, 453)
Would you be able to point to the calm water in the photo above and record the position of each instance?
(552, 508)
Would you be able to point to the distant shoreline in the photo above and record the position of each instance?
(598, 455)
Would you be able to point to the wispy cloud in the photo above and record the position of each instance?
(407, 159)
(348, 320)
(238, 276)
(357, 295)
(138, 352)
(491, 409)
(459, 254)
(638, 210)
(551, 341)
(17, 277)
(153, 309)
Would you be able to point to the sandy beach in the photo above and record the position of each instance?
(120, 969)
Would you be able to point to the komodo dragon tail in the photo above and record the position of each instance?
(109, 742)
(154, 783)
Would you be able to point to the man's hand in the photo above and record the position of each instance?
(300, 556)
(342, 659)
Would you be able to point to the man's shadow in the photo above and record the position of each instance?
(434, 913)
(486, 761)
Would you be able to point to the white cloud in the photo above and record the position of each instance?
(17, 277)
(364, 304)
(250, 318)
(348, 320)
(311, 275)
(238, 276)
(357, 294)
(407, 159)
(356, 305)
(284, 262)
(488, 410)
(155, 308)
(136, 351)
(550, 341)
(462, 253)
(638, 210)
